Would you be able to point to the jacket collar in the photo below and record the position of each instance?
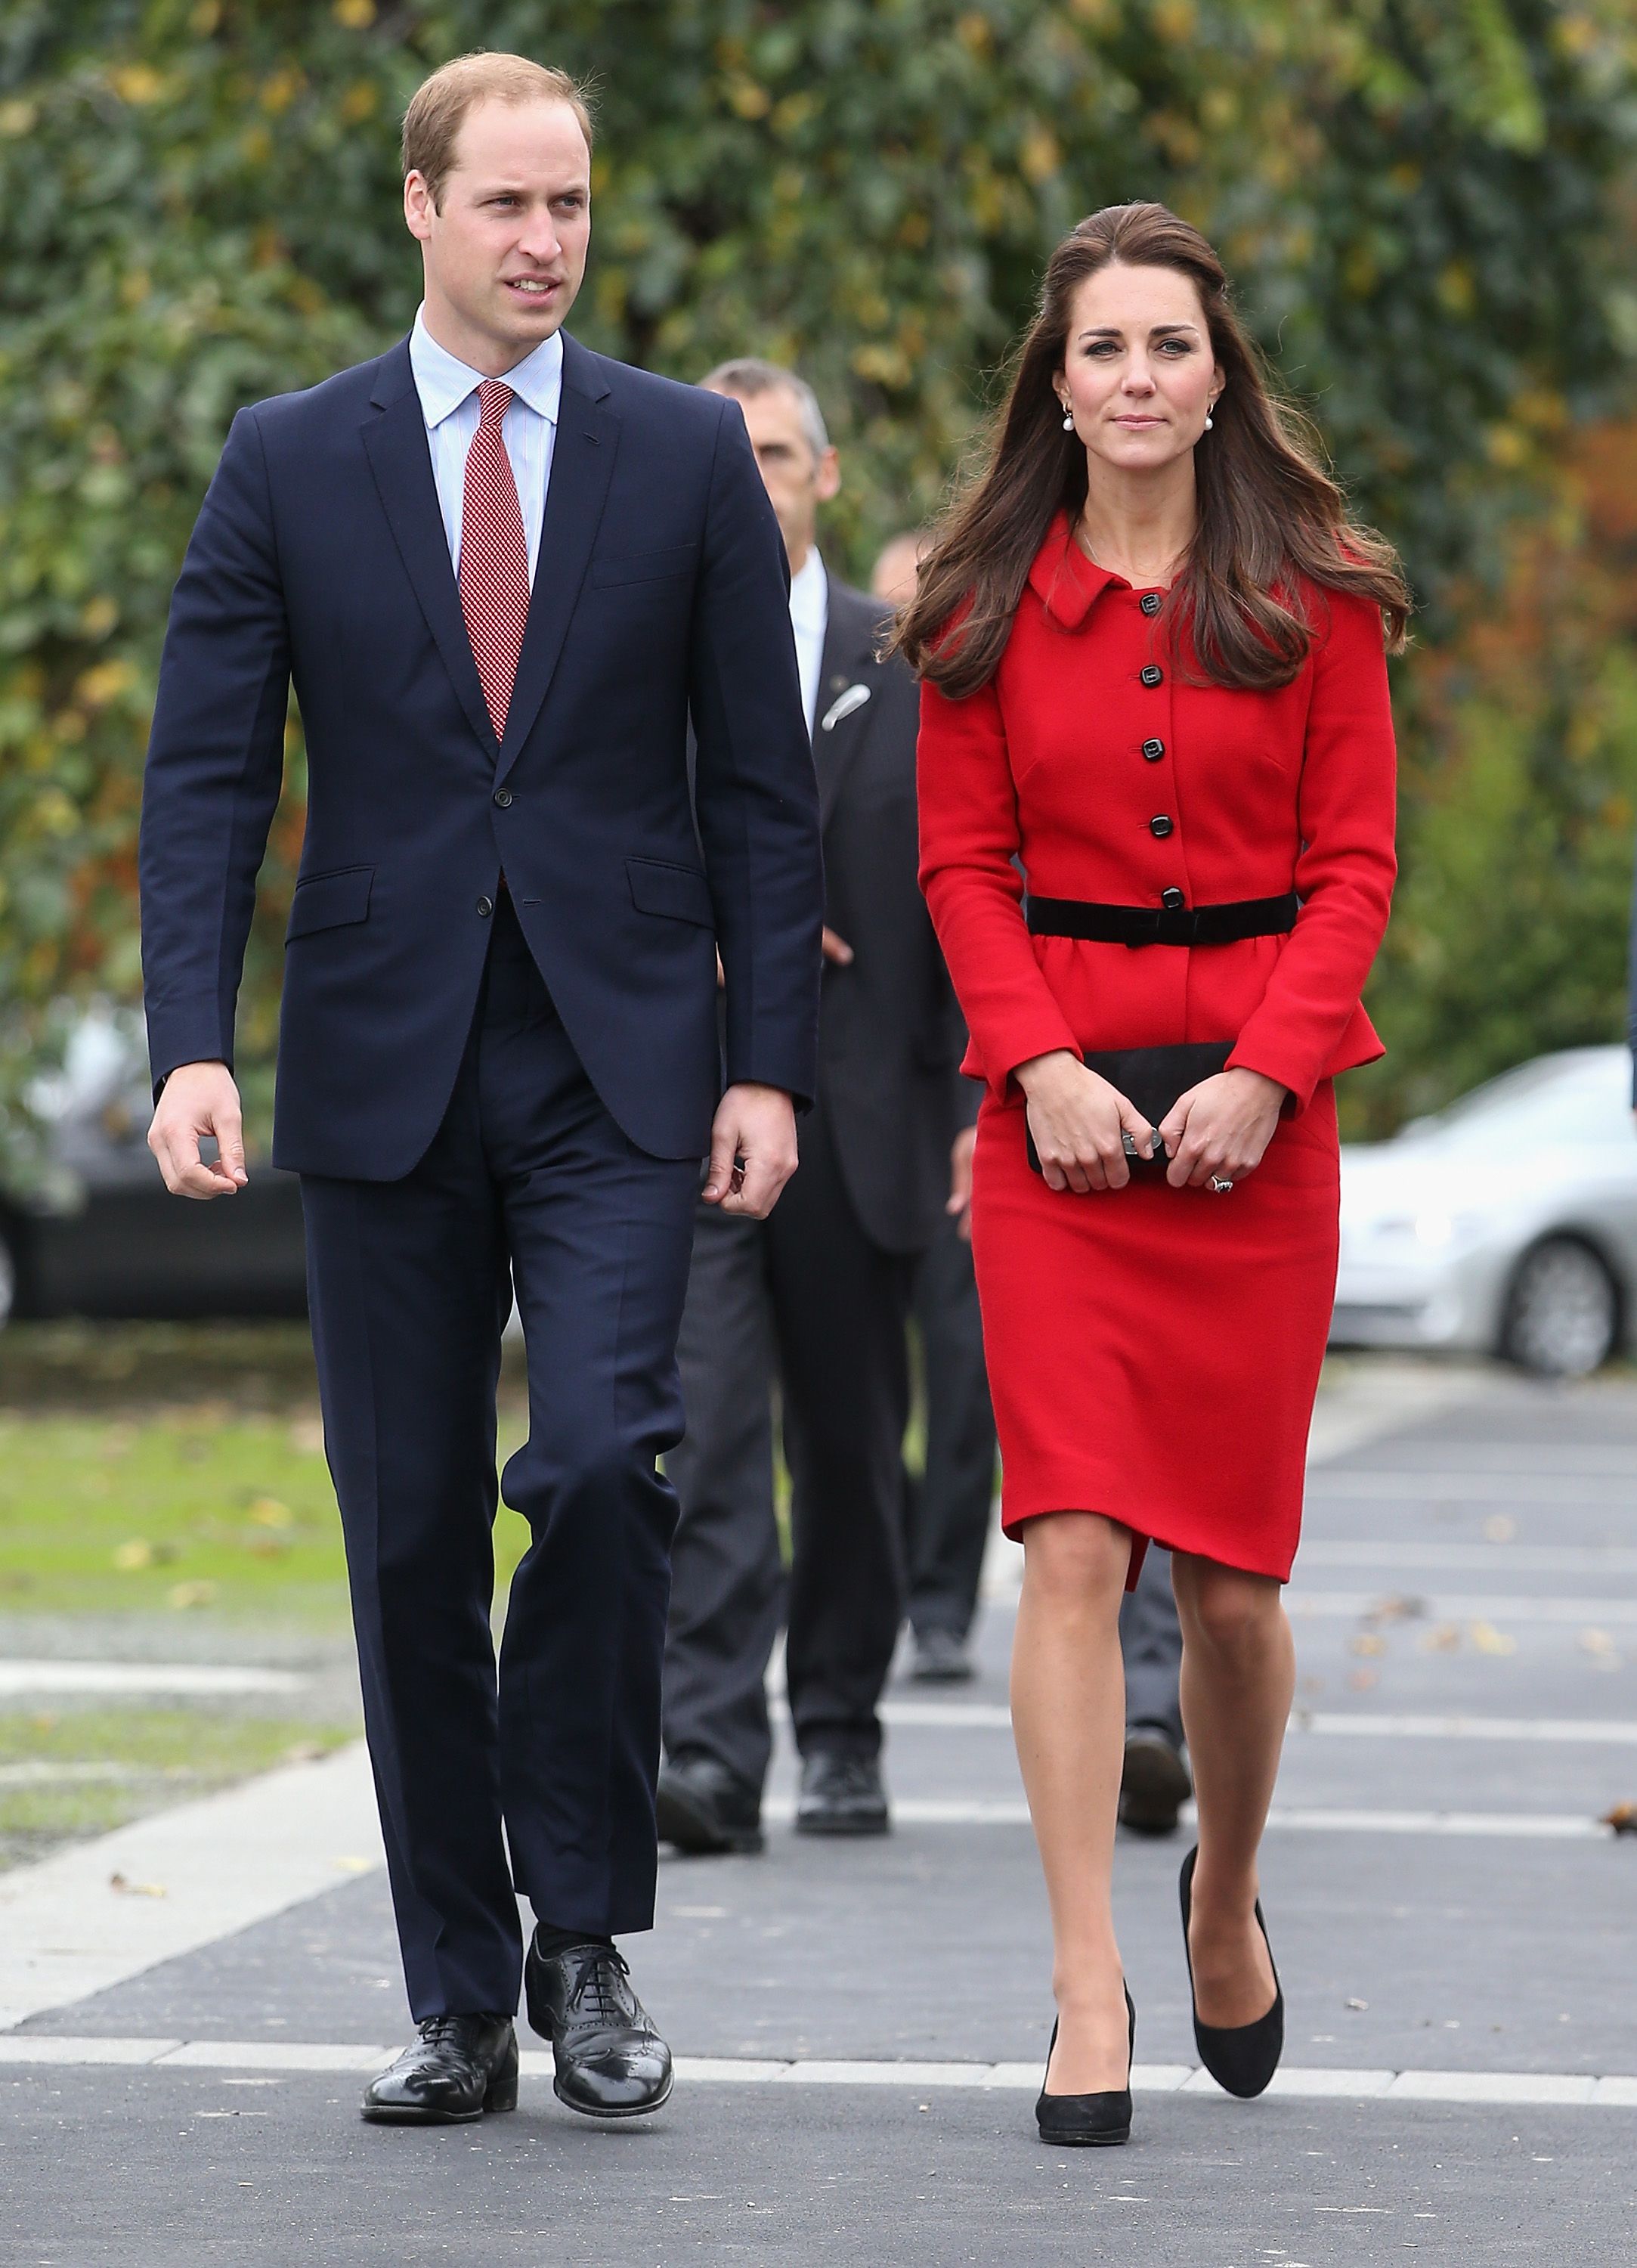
(1066, 581)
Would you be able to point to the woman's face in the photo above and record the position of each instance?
(1138, 372)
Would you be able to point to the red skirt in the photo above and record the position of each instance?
(1154, 1352)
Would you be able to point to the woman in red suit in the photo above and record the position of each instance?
(1156, 793)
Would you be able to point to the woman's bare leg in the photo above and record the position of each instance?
(1068, 1717)
(1238, 1675)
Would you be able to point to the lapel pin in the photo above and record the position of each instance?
(855, 697)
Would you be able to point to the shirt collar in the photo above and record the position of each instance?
(444, 382)
(810, 592)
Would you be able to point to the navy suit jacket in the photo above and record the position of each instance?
(319, 558)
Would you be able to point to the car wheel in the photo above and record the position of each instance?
(1563, 1311)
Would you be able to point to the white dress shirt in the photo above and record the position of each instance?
(449, 403)
(809, 618)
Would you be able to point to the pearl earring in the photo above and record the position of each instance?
(1069, 420)
(1210, 421)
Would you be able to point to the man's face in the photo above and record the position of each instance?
(504, 250)
(796, 481)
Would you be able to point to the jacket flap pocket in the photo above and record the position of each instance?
(329, 900)
(644, 566)
(680, 893)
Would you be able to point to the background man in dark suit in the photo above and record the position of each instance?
(948, 1508)
(502, 570)
(817, 1296)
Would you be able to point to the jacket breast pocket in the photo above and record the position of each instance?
(330, 900)
(644, 566)
(677, 893)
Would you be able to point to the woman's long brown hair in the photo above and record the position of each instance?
(1268, 513)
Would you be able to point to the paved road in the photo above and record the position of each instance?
(1448, 1918)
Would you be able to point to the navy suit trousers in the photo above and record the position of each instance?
(529, 1181)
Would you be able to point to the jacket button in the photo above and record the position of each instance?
(503, 796)
(1153, 750)
(1162, 827)
(1172, 900)
(1153, 675)
(486, 907)
(1150, 602)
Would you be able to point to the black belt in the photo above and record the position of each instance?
(1163, 925)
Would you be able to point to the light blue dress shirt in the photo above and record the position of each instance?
(449, 403)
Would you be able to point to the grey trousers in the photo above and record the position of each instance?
(1150, 1638)
(947, 1509)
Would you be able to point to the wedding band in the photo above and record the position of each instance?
(1218, 1187)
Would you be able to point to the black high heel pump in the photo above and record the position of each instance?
(1241, 2057)
(1089, 2121)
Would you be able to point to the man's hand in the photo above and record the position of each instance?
(752, 1150)
(199, 1100)
(1077, 1121)
(1221, 1127)
(836, 948)
(959, 1205)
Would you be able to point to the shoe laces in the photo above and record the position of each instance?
(598, 1992)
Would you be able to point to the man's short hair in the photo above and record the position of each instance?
(749, 375)
(439, 105)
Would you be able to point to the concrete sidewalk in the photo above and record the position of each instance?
(864, 2027)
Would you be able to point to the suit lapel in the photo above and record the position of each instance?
(582, 456)
(849, 660)
(395, 440)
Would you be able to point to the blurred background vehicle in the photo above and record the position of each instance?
(1506, 1224)
(101, 1237)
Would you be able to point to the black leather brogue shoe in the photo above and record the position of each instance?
(459, 2068)
(707, 1811)
(611, 2062)
(841, 1793)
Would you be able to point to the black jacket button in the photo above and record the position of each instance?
(503, 796)
(1162, 827)
(1153, 675)
(1150, 602)
(1153, 750)
(1172, 900)
(486, 907)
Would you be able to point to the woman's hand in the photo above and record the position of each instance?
(1221, 1127)
(1077, 1119)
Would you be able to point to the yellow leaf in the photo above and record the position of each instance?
(1488, 1639)
(183, 1595)
(135, 1554)
(267, 1512)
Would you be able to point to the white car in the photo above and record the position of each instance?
(1505, 1225)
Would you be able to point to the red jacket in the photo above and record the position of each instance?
(1266, 792)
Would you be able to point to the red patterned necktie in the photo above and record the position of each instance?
(493, 556)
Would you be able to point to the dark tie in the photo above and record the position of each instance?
(493, 556)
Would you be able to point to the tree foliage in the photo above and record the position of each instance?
(200, 208)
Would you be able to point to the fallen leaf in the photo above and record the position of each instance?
(352, 1866)
(1362, 1680)
(1595, 1641)
(183, 1595)
(1499, 1527)
(1446, 1639)
(1488, 1639)
(1399, 1607)
(137, 1553)
(136, 1889)
(1367, 1642)
(267, 1512)
(1622, 1817)
(268, 1547)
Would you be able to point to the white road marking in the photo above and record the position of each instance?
(1572, 2089)
(1450, 1607)
(993, 1716)
(184, 1878)
(1536, 1826)
(1599, 1559)
(1582, 1490)
(183, 1677)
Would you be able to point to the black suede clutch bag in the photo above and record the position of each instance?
(1152, 1079)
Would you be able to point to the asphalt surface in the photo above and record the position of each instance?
(1476, 1567)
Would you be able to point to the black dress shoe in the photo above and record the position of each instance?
(611, 2062)
(1089, 2121)
(705, 1809)
(942, 1658)
(1155, 1784)
(1241, 2057)
(841, 1794)
(459, 2068)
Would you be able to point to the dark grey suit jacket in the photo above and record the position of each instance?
(890, 1035)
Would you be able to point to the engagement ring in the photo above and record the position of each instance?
(1218, 1187)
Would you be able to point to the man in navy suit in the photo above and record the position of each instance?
(501, 572)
